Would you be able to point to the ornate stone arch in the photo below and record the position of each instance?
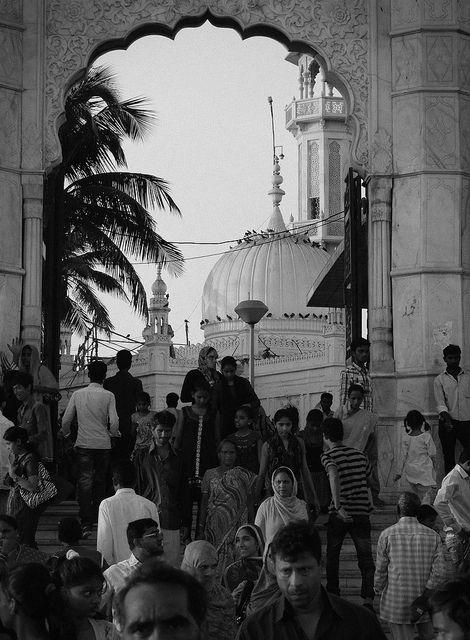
(80, 30)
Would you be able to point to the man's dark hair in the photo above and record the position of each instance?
(315, 415)
(97, 370)
(228, 360)
(453, 597)
(137, 528)
(165, 418)
(294, 539)
(408, 504)
(172, 400)
(359, 342)
(69, 530)
(123, 473)
(426, 512)
(9, 520)
(123, 359)
(24, 379)
(355, 387)
(333, 429)
(154, 572)
(327, 394)
(452, 350)
(464, 456)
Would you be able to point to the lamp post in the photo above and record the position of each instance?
(251, 312)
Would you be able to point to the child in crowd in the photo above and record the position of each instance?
(419, 452)
(82, 585)
(246, 439)
(172, 406)
(142, 423)
(312, 436)
(69, 532)
(428, 517)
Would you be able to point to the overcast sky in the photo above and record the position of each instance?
(212, 142)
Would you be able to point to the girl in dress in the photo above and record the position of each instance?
(285, 449)
(246, 439)
(142, 425)
(198, 444)
(419, 452)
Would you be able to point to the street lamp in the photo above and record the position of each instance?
(251, 312)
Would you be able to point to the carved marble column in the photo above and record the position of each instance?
(32, 260)
(380, 290)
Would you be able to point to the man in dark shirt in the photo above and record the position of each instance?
(305, 611)
(125, 389)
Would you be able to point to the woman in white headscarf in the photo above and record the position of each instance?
(283, 507)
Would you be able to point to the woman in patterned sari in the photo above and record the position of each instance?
(226, 503)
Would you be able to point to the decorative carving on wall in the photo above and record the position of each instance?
(439, 67)
(313, 169)
(464, 63)
(404, 13)
(338, 30)
(381, 152)
(465, 133)
(438, 11)
(10, 60)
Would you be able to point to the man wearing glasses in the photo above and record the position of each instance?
(145, 541)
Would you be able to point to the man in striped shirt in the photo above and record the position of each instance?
(348, 472)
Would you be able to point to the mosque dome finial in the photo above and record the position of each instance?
(159, 287)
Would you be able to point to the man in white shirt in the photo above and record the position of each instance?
(145, 541)
(453, 505)
(95, 411)
(116, 512)
(452, 393)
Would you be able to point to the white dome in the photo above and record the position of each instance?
(278, 269)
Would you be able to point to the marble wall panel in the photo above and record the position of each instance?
(10, 221)
(9, 128)
(463, 61)
(11, 10)
(442, 296)
(465, 222)
(464, 132)
(10, 304)
(466, 318)
(441, 221)
(440, 132)
(406, 223)
(407, 133)
(439, 59)
(439, 12)
(406, 61)
(404, 14)
(10, 59)
(408, 323)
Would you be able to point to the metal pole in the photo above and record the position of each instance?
(252, 355)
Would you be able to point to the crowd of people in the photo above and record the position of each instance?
(207, 515)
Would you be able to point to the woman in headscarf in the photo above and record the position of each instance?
(283, 507)
(26, 356)
(226, 502)
(266, 589)
(240, 577)
(200, 560)
(206, 373)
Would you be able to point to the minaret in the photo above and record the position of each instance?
(317, 119)
(158, 329)
(276, 221)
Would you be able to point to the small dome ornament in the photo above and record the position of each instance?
(159, 287)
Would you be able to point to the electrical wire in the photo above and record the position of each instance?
(280, 235)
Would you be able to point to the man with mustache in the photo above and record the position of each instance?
(304, 610)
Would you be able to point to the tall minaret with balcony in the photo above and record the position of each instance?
(317, 119)
(158, 330)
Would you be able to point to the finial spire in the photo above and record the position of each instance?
(276, 222)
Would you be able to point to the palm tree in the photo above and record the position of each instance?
(97, 218)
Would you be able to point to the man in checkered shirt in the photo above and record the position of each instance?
(409, 565)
